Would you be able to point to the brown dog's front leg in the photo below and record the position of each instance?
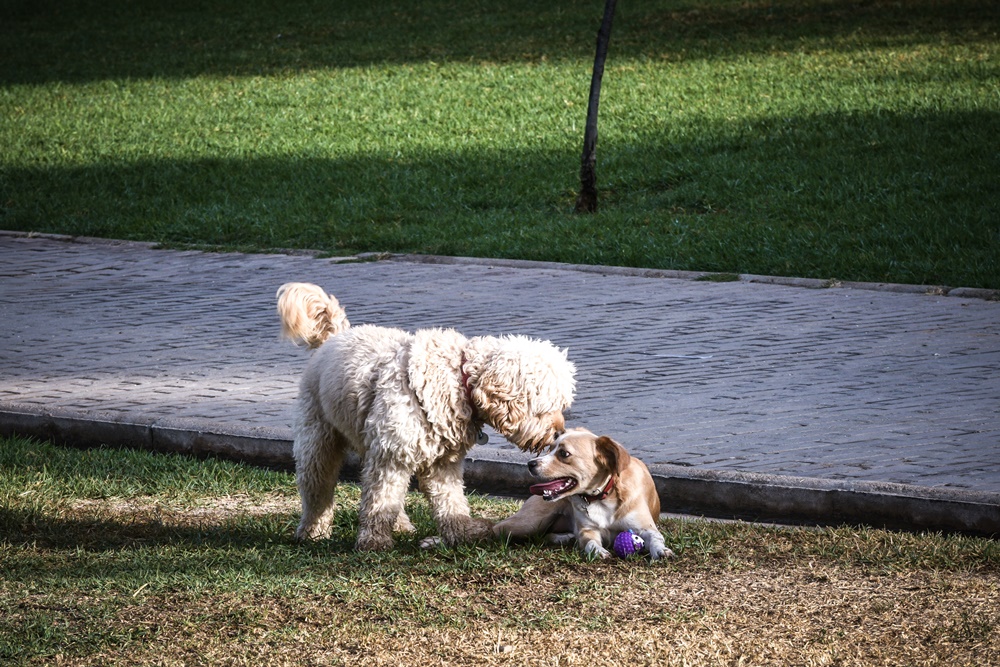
(590, 543)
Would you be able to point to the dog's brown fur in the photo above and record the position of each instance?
(586, 509)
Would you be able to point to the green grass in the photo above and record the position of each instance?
(126, 557)
(835, 140)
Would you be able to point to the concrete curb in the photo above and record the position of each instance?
(199, 438)
(808, 283)
(718, 494)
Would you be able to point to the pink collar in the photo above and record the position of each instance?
(465, 383)
(481, 438)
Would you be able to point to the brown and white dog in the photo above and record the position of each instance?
(591, 490)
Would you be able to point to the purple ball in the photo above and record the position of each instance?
(628, 543)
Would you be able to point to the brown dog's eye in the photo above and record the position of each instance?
(563, 454)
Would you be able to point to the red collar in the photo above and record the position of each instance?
(602, 494)
(481, 438)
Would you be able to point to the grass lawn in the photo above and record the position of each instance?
(123, 557)
(834, 139)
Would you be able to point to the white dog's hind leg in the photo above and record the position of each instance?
(319, 454)
(444, 486)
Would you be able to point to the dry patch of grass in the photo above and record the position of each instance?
(737, 594)
(784, 615)
(127, 558)
(208, 510)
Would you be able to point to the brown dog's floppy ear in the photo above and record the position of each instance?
(613, 455)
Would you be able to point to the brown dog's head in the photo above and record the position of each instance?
(580, 463)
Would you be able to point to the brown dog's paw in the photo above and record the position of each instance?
(656, 553)
(481, 529)
(432, 542)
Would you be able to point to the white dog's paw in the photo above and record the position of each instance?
(313, 532)
(432, 542)
(403, 524)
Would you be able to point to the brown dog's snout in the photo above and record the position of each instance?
(533, 466)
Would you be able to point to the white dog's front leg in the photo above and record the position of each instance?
(444, 486)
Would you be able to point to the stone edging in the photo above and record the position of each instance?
(722, 494)
(810, 283)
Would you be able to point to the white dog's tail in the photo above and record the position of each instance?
(308, 314)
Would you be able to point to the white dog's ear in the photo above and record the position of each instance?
(500, 396)
(612, 455)
(515, 379)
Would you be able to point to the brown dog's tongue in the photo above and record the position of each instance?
(553, 486)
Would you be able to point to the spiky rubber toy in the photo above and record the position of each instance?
(628, 543)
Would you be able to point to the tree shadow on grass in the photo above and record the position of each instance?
(88, 40)
(129, 549)
(147, 527)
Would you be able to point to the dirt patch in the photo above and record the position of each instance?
(767, 616)
(205, 510)
(737, 595)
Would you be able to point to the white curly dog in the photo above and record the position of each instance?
(410, 404)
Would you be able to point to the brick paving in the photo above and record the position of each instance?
(832, 384)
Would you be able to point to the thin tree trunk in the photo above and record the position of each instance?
(586, 202)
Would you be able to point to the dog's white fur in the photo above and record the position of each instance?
(410, 404)
(576, 510)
